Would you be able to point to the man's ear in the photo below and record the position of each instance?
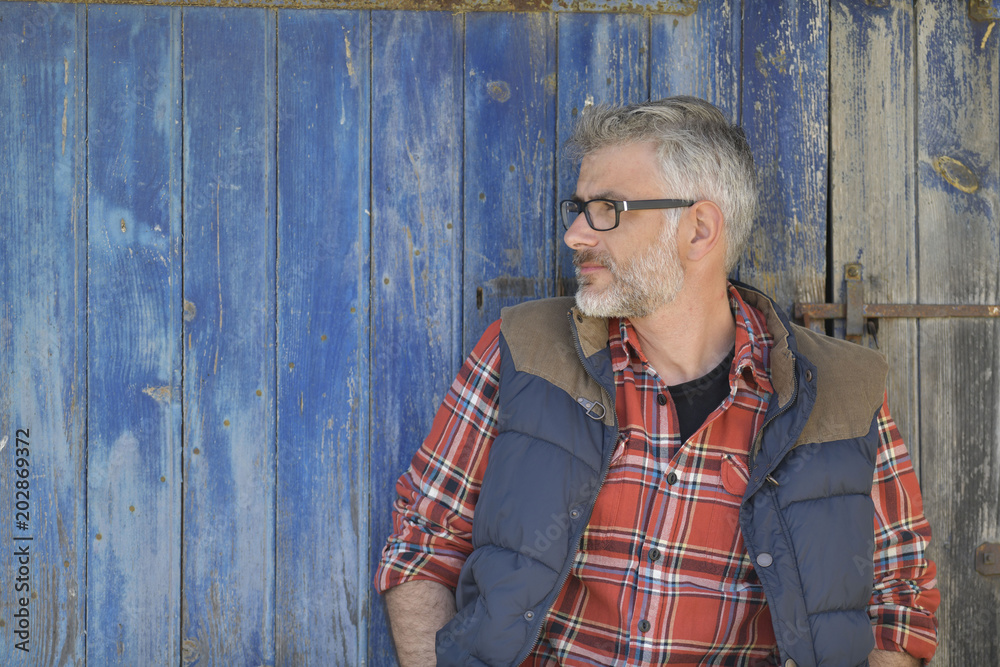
(701, 230)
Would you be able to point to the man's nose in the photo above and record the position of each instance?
(580, 234)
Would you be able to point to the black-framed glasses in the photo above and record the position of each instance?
(603, 215)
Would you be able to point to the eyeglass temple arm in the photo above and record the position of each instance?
(654, 203)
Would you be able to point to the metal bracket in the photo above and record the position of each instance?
(855, 302)
(988, 559)
(856, 311)
(594, 409)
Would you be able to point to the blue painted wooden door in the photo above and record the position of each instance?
(245, 251)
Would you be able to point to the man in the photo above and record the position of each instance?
(668, 471)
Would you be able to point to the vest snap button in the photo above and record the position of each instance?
(809, 375)
(528, 615)
(764, 559)
(790, 663)
(574, 514)
(671, 478)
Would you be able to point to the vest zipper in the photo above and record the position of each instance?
(760, 434)
(753, 455)
(604, 475)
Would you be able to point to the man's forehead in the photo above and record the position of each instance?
(617, 171)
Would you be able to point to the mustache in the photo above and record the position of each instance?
(581, 257)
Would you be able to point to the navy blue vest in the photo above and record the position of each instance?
(807, 515)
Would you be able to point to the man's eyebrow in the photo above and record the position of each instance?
(610, 194)
(606, 194)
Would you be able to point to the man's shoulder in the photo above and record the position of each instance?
(534, 324)
(539, 338)
(838, 356)
(850, 386)
(530, 313)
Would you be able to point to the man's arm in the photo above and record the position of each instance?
(879, 658)
(417, 610)
(435, 507)
(904, 596)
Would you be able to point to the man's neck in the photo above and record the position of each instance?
(688, 337)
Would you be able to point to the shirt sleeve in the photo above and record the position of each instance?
(905, 594)
(436, 496)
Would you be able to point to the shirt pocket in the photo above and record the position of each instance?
(735, 475)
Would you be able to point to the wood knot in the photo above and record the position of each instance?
(956, 174)
(498, 90)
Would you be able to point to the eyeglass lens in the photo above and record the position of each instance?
(600, 213)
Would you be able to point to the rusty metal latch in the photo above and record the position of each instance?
(988, 559)
(856, 311)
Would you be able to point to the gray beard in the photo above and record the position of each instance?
(639, 285)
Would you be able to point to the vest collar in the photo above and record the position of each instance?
(593, 332)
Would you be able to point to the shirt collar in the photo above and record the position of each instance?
(753, 344)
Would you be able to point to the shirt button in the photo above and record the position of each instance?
(528, 615)
(764, 559)
(654, 554)
(644, 625)
(671, 478)
(661, 399)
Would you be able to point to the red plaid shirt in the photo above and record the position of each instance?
(662, 573)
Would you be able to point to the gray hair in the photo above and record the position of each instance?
(702, 156)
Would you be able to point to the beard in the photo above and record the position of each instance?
(639, 284)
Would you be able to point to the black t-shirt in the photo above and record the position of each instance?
(696, 399)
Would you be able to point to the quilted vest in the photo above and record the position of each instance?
(806, 517)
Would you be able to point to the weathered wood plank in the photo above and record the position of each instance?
(872, 180)
(603, 58)
(509, 172)
(416, 252)
(698, 54)
(229, 336)
(958, 159)
(323, 291)
(785, 113)
(43, 329)
(134, 221)
(678, 7)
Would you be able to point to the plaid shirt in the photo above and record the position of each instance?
(662, 573)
